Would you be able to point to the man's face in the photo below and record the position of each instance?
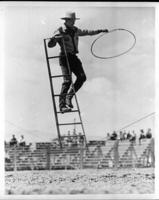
(70, 22)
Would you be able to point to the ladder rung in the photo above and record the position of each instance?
(69, 111)
(57, 95)
(70, 123)
(54, 57)
(57, 76)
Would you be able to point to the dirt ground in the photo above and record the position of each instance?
(85, 181)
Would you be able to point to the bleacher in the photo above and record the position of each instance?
(107, 150)
(46, 156)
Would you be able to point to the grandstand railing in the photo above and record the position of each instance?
(113, 154)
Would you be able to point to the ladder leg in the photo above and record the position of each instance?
(74, 89)
(52, 94)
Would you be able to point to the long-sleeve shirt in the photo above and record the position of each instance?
(71, 38)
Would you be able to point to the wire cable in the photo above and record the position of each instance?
(134, 122)
(30, 132)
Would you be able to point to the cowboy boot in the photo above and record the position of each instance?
(62, 104)
(64, 109)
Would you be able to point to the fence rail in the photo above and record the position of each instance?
(116, 154)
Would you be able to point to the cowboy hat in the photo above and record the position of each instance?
(70, 15)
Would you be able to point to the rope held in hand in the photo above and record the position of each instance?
(107, 57)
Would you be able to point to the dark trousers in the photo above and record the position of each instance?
(75, 68)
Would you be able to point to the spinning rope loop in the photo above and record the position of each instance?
(113, 30)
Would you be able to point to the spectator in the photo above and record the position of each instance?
(128, 136)
(22, 141)
(69, 139)
(142, 136)
(75, 138)
(81, 139)
(13, 141)
(114, 136)
(65, 141)
(121, 136)
(148, 133)
(124, 135)
(133, 137)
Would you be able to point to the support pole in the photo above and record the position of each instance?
(15, 158)
(48, 157)
(116, 154)
(132, 153)
(52, 93)
(81, 157)
(152, 152)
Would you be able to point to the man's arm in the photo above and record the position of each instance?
(91, 32)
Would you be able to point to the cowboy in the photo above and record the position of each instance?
(70, 63)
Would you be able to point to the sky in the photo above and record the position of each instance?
(117, 92)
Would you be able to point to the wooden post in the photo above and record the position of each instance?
(152, 152)
(116, 154)
(133, 153)
(66, 161)
(48, 157)
(81, 157)
(15, 159)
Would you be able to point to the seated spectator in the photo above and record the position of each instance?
(22, 141)
(121, 136)
(128, 136)
(142, 136)
(148, 133)
(13, 141)
(69, 139)
(74, 138)
(114, 136)
(133, 137)
(75, 141)
(81, 138)
(124, 135)
(65, 141)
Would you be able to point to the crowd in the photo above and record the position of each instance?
(77, 139)
(73, 140)
(15, 142)
(131, 136)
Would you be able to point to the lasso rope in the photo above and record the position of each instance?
(107, 57)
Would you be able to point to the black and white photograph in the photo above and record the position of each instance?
(78, 111)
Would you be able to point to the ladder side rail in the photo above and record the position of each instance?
(52, 93)
(73, 88)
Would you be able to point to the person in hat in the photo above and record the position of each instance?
(69, 35)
